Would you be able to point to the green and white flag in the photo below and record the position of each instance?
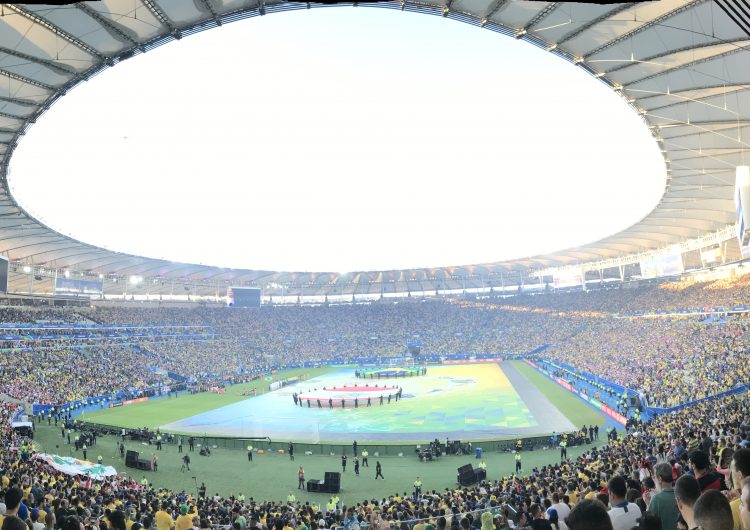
(74, 466)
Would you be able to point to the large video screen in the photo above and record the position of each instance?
(76, 287)
(664, 265)
(571, 277)
(3, 274)
(243, 297)
(742, 232)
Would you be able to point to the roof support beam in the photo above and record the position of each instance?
(15, 235)
(161, 16)
(56, 30)
(667, 53)
(704, 122)
(27, 80)
(60, 240)
(210, 8)
(698, 132)
(644, 27)
(494, 8)
(544, 13)
(13, 116)
(60, 68)
(686, 65)
(681, 101)
(648, 95)
(119, 31)
(593, 22)
(61, 249)
(19, 101)
(102, 261)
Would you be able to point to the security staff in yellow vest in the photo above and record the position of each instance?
(518, 461)
(249, 453)
(563, 450)
(365, 454)
(417, 488)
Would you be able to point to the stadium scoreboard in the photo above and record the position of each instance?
(3, 274)
(243, 296)
(742, 203)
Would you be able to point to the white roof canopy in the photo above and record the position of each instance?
(684, 66)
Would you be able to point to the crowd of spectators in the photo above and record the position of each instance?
(642, 297)
(196, 343)
(64, 373)
(668, 360)
(672, 467)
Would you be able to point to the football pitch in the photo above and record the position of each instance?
(273, 475)
(467, 402)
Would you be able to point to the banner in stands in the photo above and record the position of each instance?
(73, 466)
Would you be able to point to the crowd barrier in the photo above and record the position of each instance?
(597, 404)
(324, 448)
(689, 312)
(619, 389)
(665, 410)
(102, 401)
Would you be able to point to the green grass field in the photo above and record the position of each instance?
(158, 412)
(272, 475)
(574, 408)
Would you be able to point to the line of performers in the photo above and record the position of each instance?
(342, 403)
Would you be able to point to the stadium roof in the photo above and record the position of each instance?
(683, 65)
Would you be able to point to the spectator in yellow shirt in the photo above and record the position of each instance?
(163, 518)
(185, 520)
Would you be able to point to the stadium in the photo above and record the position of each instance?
(602, 386)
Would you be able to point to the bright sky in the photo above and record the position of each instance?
(339, 140)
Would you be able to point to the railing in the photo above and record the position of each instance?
(323, 448)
